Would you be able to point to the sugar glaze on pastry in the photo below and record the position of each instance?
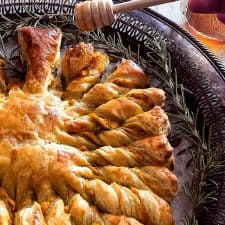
(94, 153)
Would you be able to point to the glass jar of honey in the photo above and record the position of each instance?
(203, 25)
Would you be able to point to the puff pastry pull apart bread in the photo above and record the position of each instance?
(91, 152)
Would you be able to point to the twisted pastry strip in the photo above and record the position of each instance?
(28, 215)
(111, 114)
(128, 75)
(45, 194)
(158, 179)
(155, 151)
(99, 94)
(80, 142)
(56, 214)
(122, 108)
(52, 211)
(77, 88)
(147, 98)
(115, 199)
(7, 206)
(53, 207)
(28, 211)
(89, 123)
(82, 213)
(75, 109)
(128, 72)
(88, 65)
(108, 90)
(151, 123)
(76, 59)
(103, 92)
(81, 60)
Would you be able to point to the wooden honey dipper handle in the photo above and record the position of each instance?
(94, 14)
(137, 4)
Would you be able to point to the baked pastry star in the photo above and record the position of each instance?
(93, 153)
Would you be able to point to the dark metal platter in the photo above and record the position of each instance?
(198, 70)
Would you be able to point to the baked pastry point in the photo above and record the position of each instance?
(40, 49)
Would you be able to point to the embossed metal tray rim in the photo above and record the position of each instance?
(171, 31)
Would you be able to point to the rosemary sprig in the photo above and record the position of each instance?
(157, 61)
(9, 60)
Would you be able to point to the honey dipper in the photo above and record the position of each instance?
(94, 14)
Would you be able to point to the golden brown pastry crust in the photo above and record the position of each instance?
(94, 154)
(40, 50)
(121, 220)
(128, 75)
(83, 60)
